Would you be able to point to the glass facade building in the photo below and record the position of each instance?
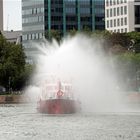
(40, 16)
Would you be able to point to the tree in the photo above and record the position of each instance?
(135, 36)
(129, 69)
(23, 78)
(72, 32)
(12, 62)
(119, 39)
(56, 34)
(135, 41)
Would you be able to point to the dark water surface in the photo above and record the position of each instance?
(22, 122)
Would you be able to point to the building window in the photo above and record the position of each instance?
(137, 14)
(110, 23)
(125, 30)
(118, 11)
(110, 12)
(37, 36)
(110, 2)
(107, 23)
(29, 36)
(24, 37)
(107, 3)
(137, 29)
(121, 21)
(121, 10)
(33, 36)
(114, 22)
(83, 10)
(121, 30)
(40, 18)
(38, 10)
(125, 10)
(107, 13)
(40, 35)
(42, 10)
(35, 11)
(118, 22)
(118, 30)
(117, 1)
(114, 11)
(125, 21)
(114, 2)
(124, 1)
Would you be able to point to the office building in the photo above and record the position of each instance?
(41, 16)
(13, 36)
(122, 15)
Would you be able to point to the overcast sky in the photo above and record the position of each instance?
(12, 14)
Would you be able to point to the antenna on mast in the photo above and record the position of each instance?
(7, 22)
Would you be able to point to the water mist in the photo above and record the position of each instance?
(83, 61)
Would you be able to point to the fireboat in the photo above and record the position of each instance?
(57, 98)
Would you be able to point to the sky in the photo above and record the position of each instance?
(12, 15)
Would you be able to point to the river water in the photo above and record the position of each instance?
(22, 122)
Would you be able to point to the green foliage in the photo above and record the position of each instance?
(135, 41)
(23, 78)
(53, 34)
(130, 58)
(100, 34)
(118, 39)
(12, 63)
(72, 32)
(129, 69)
(136, 47)
(134, 36)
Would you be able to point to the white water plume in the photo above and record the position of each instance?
(82, 60)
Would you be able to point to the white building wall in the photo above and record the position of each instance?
(124, 17)
(131, 15)
(1, 15)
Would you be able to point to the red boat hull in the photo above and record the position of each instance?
(58, 106)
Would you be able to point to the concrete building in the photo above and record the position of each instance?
(122, 15)
(13, 36)
(1, 15)
(41, 16)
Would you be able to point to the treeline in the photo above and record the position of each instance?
(14, 72)
(113, 42)
(124, 47)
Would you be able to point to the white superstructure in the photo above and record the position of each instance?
(53, 88)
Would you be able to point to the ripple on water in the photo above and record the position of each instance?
(23, 122)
